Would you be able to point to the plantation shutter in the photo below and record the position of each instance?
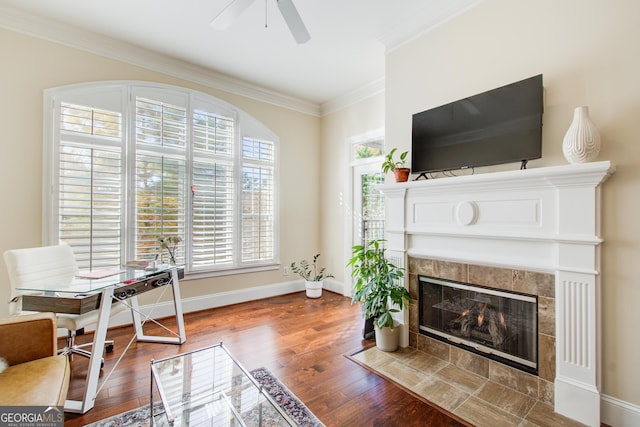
(257, 200)
(160, 177)
(212, 189)
(90, 184)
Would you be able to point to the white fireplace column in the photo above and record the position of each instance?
(544, 219)
(578, 343)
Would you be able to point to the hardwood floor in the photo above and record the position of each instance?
(302, 341)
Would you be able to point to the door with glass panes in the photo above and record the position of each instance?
(368, 213)
(368, 203)
(370, 224)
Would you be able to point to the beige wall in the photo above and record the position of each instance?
(30, 65)
(337, 129)
(588, 52)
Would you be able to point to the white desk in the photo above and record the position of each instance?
(122, 288)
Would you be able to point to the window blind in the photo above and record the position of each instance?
(213, 190)
(136, 163)
(160, 178)
(160, 205)
(257, 200)
(90, 184)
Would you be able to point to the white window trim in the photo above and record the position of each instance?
(246, 125)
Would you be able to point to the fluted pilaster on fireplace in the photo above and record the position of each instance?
(545, 220)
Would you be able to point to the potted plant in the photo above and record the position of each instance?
(376, 286)
(400, 172)
(313, 277)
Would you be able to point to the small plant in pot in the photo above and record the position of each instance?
(312, 275)
(400, 172)
(376, 286)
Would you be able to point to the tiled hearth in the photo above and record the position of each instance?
(473, 398)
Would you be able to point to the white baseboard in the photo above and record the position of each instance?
(221, 299)
(334, 286)
(618, 413)
(165, 309)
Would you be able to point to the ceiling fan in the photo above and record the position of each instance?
(288, 10)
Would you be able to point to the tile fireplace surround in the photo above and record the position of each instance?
(536, 231)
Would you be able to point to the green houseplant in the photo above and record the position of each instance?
(376, 286)
(312, 275)
(400, 172)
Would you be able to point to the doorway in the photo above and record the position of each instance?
(365, 207)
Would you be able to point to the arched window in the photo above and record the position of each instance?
(130, 163)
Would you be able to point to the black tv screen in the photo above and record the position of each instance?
(502, 125)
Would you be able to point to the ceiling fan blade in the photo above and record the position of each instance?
(230, 13)
(293, 20)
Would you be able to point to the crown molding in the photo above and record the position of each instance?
(54, 31)
(374, 88)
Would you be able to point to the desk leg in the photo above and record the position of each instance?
(95, 362)
(177, 305)
(181, 336)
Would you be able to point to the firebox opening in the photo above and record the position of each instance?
(497, 324)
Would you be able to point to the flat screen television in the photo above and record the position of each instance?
(502, 125)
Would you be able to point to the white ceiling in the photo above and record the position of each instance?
(349, 38)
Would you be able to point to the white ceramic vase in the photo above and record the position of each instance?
(581, 143)
(313, 289)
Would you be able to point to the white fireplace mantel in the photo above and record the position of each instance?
(544, 219)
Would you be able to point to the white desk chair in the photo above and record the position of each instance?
(40, 268)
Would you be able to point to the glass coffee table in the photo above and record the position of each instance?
(209, 387)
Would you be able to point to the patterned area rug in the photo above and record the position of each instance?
(294, 408)
(288, 401)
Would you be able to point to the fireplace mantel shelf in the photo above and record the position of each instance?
(543, 219)
(551, 176)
